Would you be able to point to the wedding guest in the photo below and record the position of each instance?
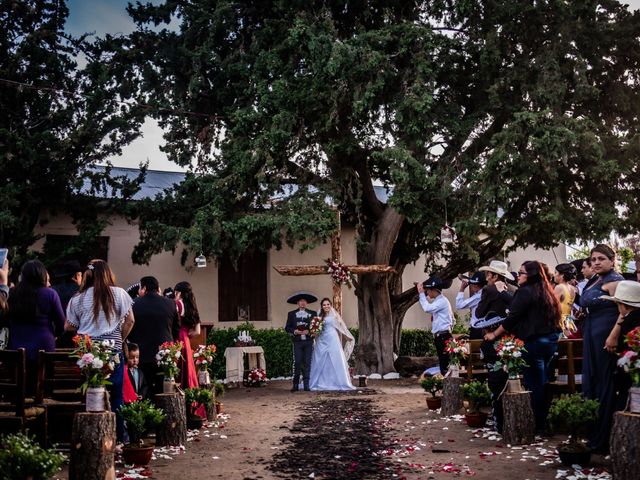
(475, 283)
(598, 364)
(71, 276)
(134, 374)
(566, 293)
(534, 317)
(297, 326)
(189, 327)
(102, 310)
(35, 317)
(434, 302)
(496, 295)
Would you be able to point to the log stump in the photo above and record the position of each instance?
(519, 424)
(93, 443)
(452, 402)
(173, 431)
(625, 446)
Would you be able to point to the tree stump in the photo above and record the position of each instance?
(519, 424)
(625, 446)
(173, 431)
(93, 443)
(452, 396)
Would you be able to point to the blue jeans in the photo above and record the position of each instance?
(115, 392)
(540, 352)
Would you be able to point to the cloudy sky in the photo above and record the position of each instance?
(110, 16)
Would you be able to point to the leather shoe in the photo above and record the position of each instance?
(294, 389)
(307, 389)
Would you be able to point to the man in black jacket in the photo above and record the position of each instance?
(495, 296)
(298, 324)
(156, 322)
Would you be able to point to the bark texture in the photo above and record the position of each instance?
(452, 401)
(93, 442)
(519, 425)
(625, 446)
(173, 431)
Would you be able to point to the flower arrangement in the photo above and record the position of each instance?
(244, 339)
(22, 457)
(457, 350)
(316, 326)
(340, 273)
(256, 377)
(203, 356)
(96, 361)
(167, 357)
(510, 350)
(630, 359)
(196, 398)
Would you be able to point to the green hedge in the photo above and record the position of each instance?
(279, 354)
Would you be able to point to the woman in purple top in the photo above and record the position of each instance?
(35, 316)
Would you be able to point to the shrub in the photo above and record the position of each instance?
(477, 394)
(140, 417)
(432, 385)
(22, 457)
(572, 412)
(197, 397)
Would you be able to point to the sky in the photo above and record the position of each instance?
(110, 16)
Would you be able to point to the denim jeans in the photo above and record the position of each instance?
(540, 352)
(116, 397)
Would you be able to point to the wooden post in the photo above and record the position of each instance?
(625, 446)
(519, 425)
(452, 401)
(173, 431)
(93, 443)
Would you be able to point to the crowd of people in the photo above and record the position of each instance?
(584, 299)
(87, 301)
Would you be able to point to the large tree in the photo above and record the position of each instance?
(511, 120)
(59, 120)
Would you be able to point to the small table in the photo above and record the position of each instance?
(235, 361)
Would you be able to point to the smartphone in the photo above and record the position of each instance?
(3, 256)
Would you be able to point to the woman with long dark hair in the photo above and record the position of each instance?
(534, 317)
(566, 294)
(189, 327)
(35, 316)
(598, 364)
(103, 311)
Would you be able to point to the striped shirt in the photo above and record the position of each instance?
(80, 315)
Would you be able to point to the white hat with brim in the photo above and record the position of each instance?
(627, 292)
(501, 268)
(308, 296)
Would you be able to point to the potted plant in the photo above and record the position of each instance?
(168, 357)
(218, 388)
(510, 350)
(96, 361)
(573, 413)
(140, 417)
(477, 395)
(432, 385)
(22, 458)
(195, 399)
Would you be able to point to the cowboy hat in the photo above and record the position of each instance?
(69, 268)
(309, 297)
(477, 278)
(491, 319)
(501, 268)
(627, 292)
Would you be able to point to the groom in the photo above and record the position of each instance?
(298, 324)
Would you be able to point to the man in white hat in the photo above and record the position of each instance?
(495, 296)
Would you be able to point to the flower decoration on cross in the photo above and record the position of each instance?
(340, 273)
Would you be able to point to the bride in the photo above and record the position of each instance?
(331, 351)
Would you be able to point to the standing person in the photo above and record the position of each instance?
(496, 296)
(475, 283)
(156, 322)
(103, 312)
(587, 273)
(438, 306)
(566, 295)
(534, 317)
(298, 324)
(35, 317)
(331, 351)
(189, 327)
(134, 376)
(71, 275)
(4, 304)
(599, 365)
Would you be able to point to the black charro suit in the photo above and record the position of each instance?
(302, 347)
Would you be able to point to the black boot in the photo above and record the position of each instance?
(294, 388)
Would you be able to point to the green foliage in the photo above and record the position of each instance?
(432, 384)
(417, 343)
(197, 397)
(219, 389)
(478, 395)
(22, 457)
(574, 413)
(140, 417)
(461, 325)
(626, 255)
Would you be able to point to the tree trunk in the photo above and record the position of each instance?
(93, 442)
(625, 446)
(519, 425)
(173, 431)
(452, 401)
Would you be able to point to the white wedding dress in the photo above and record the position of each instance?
(329, 370)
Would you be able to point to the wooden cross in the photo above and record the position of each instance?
(336, 255)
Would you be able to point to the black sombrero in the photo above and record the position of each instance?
(308, 296)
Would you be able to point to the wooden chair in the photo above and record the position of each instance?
(474, 367)
(568, 365)
(58, 391)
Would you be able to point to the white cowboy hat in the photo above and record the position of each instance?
(627, 292)
(501, 268)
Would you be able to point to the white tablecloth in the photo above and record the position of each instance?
(235, 361)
